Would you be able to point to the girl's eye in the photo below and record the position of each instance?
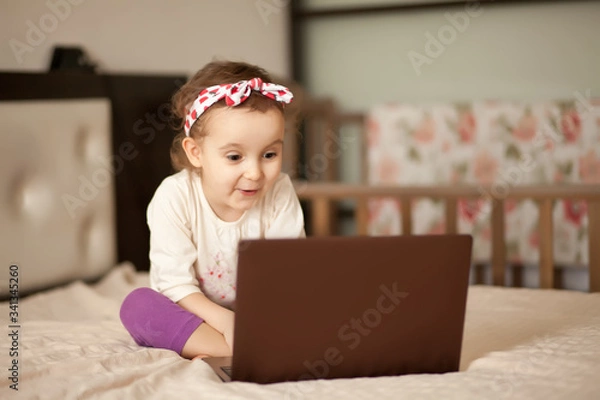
(270, 154)
(234, 157)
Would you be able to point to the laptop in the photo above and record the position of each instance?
(343, 307)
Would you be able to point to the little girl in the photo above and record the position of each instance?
(229, 187)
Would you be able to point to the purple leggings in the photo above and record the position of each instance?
(153, 320)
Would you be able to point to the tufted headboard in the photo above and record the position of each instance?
(81, 156)
(57, 208)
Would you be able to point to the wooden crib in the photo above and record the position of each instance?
(323, 196)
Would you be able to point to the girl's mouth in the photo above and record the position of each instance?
(248, 192)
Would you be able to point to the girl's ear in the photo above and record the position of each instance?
(192, 151)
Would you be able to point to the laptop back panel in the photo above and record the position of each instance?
(341, 307)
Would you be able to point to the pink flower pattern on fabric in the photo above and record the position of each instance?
(489, 143)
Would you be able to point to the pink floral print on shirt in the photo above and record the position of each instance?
(217, 281)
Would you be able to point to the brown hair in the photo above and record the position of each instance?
(213, 73)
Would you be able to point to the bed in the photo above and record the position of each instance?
(63, 338)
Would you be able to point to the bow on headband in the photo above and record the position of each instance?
(234, 94)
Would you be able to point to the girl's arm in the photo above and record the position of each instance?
(213, 314)
(173, 254)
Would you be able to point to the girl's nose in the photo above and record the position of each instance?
(253, 172)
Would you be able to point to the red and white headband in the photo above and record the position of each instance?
(234, 94)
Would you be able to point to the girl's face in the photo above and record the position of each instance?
(240, 158)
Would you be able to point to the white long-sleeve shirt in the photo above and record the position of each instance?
(192, 250)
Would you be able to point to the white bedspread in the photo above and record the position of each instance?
(518, 343)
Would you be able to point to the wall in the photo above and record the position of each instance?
(157, 36)
(533, 50)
